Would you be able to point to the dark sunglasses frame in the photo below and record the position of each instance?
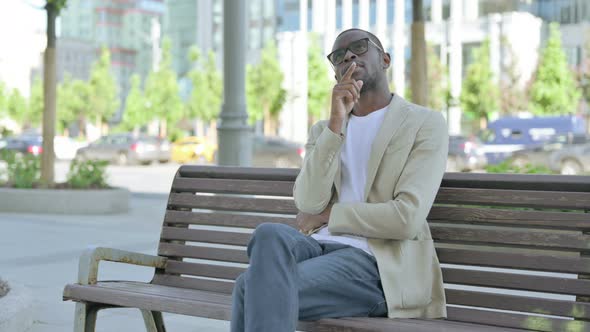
(347, 48)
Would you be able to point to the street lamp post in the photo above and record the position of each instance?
(234, 134)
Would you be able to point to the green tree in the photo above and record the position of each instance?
(3, 99)
(584, 72)
(438, 81)
(207, 88)
(554, 89)
(479, 95)
(264, 91)
(513, 97)
(73, 103)
(136, 113)
(162, 92)
(319, 84)
(18, 108)
(104, 99)
(36, 106)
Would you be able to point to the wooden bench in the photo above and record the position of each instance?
(514, 250)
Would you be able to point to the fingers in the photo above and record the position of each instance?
(348, 74)
(350, 90)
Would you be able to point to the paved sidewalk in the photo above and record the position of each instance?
(41, 252)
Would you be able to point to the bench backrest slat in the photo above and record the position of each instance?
(495, 235)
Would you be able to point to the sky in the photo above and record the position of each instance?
(22, 40)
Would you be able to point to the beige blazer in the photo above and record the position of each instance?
(406, 166)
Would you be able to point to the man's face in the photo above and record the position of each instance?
(369, 64)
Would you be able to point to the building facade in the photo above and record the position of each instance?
(129, 29)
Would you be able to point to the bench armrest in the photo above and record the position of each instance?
(88, 265)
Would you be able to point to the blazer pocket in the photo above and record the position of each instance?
(417, 273)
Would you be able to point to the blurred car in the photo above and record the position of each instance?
(127, 149)
(25, 145)
(276, 152)
(465, 154)
(193, 148)
(65, 148)
(571, 160)
(540, 155)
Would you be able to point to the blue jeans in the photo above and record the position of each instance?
(294, 277)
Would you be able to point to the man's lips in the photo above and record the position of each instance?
(358, 65)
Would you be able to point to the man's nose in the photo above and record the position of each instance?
(349, 56)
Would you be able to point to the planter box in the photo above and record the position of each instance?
(64, 201)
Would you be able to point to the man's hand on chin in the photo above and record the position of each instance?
(310, 223)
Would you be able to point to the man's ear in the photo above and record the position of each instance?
(386, 60)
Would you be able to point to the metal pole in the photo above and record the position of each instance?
(234, 134)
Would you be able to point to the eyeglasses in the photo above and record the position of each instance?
(357, 47)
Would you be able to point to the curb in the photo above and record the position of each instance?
(65, 201)
(16, 309)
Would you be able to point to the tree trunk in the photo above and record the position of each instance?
(418, 75)
(267, 124)
(49, 99)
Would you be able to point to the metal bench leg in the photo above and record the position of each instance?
(85, 317)
(154, 322)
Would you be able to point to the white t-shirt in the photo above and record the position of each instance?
(354, 157)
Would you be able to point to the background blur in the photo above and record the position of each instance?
(139, 81)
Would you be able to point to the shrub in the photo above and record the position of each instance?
(508, 167)
(87, 174)
(22, 171)
(3, 288)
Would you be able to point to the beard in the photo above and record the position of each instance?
(369, 83)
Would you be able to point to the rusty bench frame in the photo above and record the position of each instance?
(571, 192)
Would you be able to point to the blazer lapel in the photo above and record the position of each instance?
(395, 116)
(337, 179)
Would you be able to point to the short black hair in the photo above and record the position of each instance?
(371, 36)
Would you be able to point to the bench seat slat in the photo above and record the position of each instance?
(518, 303)
(536, 323)
(252, 187)
(474, 257)
(218, 306)
(232, 203)
(520, 218)
(518, 198)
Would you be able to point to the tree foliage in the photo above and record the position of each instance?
(554, 89)
(207, 87)
(319, 84)
(161, 91)
(104, 98)
(438, 81)
(136, 113)
(479, 95)
(513, 97)
(264, 90)
(73, 103)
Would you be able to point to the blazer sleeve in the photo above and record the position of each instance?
(313, 187)
(402, 217)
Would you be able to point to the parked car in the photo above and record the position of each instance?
(465, 154)
(540, 155)
(127, 149)
(193, 148)
(506, 135)
(276, 152)
(571, 160)
(25, 145)
(65, 148)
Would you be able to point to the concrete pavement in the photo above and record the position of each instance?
(41, 252)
